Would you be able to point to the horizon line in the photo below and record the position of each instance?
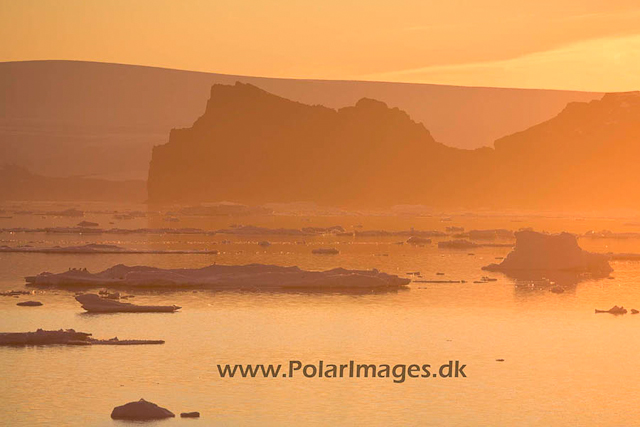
(307, 79)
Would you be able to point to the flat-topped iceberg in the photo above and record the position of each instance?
(95, 304)
(63, 337)
(551, 252)
(222, 277)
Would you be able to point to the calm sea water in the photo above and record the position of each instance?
(563, 365)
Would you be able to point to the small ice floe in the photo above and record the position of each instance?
(325, 251)
(417, 240)
(613, 310)
(140, 411)
(95, 304)
(63, 337)
(29, 304)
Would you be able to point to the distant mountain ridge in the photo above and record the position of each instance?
(19, 184)
(67, 118)
(251, 146)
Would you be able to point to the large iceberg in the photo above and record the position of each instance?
(551, 252)
(223, 277)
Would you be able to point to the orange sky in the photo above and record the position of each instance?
(562, 44)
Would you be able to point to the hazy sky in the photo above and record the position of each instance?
(563, 44)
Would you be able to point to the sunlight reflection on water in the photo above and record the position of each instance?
(561, 360)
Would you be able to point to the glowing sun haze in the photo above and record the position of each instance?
(564, 44)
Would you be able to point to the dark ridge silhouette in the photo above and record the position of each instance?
(63, 118)
(17, 183)
(584, 158)
(256, 147)
(253, 147)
